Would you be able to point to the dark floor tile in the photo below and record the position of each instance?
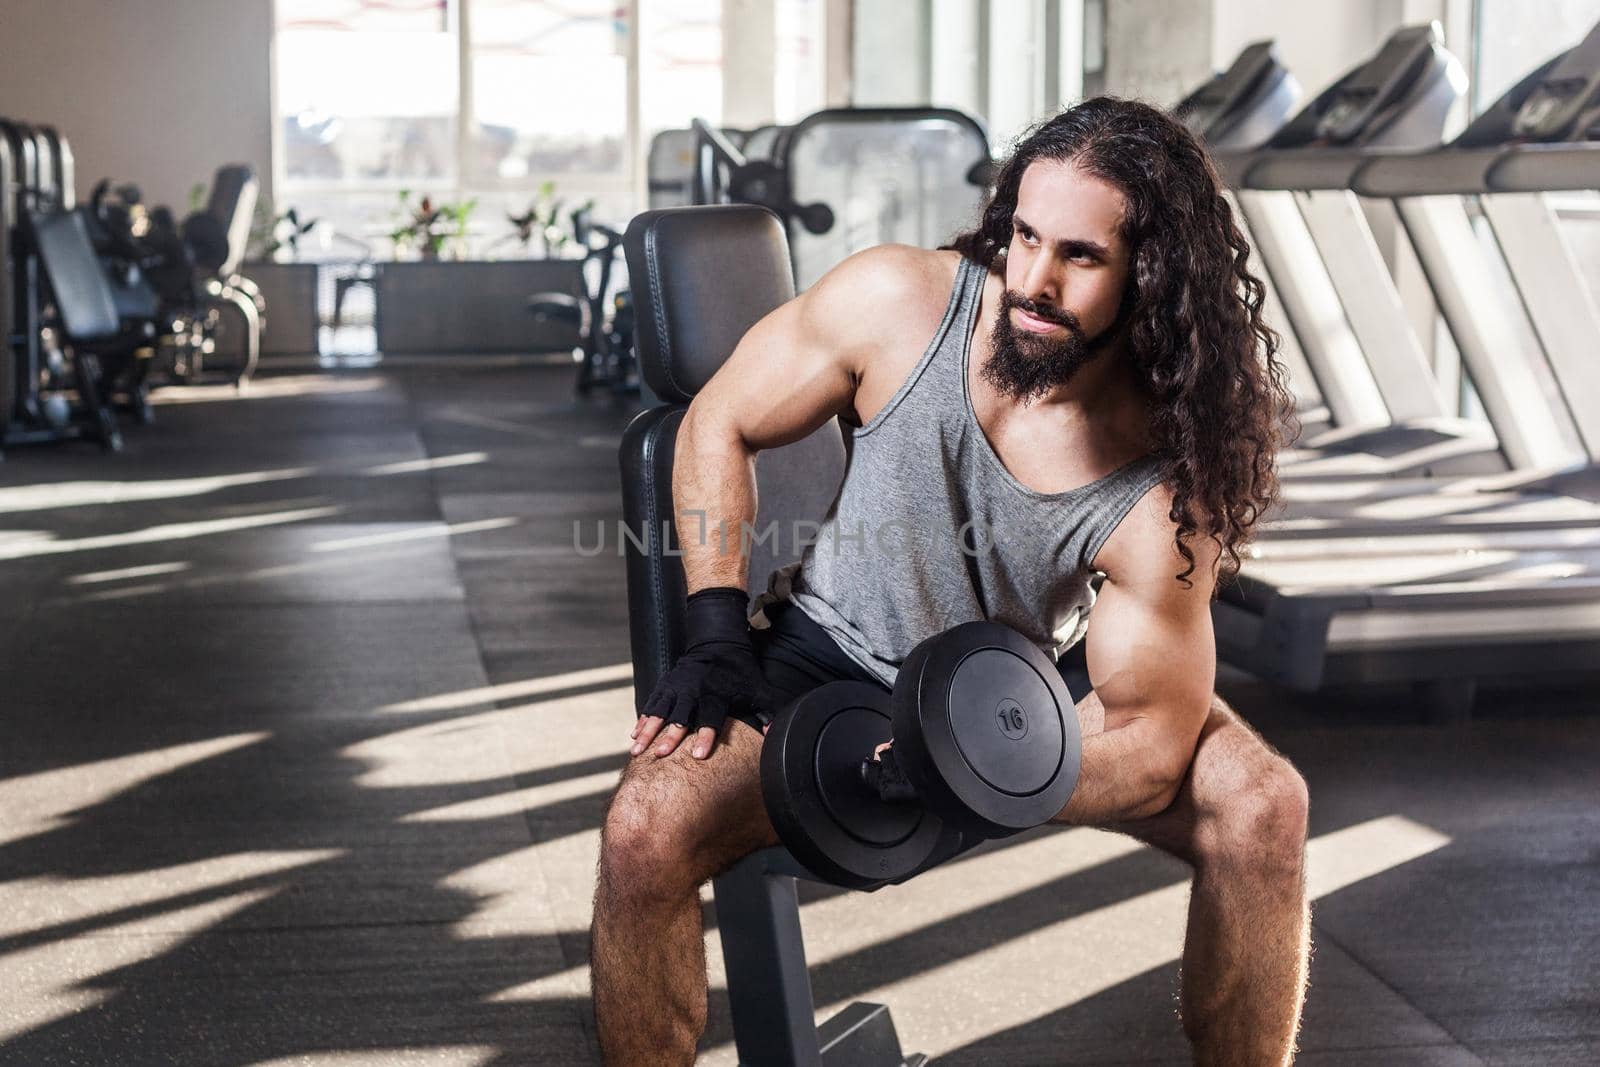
(1392, 1055)
(128, 668)
(230, 996)
(1569, 1053)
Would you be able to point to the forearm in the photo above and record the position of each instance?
(1126, 773)
(714, 502)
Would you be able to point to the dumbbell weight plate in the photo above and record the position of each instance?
(986, 729)
(825, 814)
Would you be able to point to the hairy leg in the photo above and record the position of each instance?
(1240, 821)
(673, 823)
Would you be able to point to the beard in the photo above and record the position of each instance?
(1024, 365)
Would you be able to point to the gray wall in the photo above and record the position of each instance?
(889, 48)
(157, 92)
(749, 29)
(1157, 50)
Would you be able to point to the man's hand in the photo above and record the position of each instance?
(716, 676)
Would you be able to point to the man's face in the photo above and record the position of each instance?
(1065, 272)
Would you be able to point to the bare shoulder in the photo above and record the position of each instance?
(1142, 552)
(884, 289)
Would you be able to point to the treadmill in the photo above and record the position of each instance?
(1240, 108)
(1542, 136)
(1512, 297)
(1235, 111)
(1390, 416)
(1440, 603)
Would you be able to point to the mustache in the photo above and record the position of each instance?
(1059, 316)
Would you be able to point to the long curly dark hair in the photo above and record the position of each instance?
(1191, 313)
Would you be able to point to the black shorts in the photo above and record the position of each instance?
(797, 656)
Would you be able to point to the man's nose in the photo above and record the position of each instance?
(1039, 284)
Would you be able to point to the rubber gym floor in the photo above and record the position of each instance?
(309, 710)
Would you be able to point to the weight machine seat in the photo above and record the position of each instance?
(701, 277)
(233, 203)
(83, 295)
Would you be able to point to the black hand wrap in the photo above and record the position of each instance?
(718, 674)
(885, 777)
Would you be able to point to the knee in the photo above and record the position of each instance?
(1262, 826)
(647, 847)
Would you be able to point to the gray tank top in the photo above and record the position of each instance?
(930, 530)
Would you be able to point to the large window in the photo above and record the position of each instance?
(485, 101)
(367, 94)
(549, 89)
(797, 67)
(680, 63)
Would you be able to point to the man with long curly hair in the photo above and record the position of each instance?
(1085, 378)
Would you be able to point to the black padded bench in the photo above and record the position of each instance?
(701, 277)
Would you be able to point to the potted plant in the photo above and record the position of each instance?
(543, 220)
(277, 236)
(429, 226)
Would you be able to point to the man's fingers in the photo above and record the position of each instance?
(645, 732)
(660, 704)
(670, 737)
(878, 752)
(704, 738)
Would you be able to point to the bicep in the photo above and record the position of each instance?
(1147, 657)
(1150, 647)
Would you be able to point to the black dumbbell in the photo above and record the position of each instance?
(986, 744)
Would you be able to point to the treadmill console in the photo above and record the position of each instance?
(1201, 109)
(1565, 101)
(1376, 85)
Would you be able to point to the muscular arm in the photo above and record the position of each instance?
(1152, 657)
(793, 370)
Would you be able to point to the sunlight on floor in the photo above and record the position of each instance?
(289, 385)
(432, 1055)
(49, 982)
(87, 493)
(36, 907)
(418, 466)
(416, 533)
(41, 801)
(130, 916)
(501, 742)
(1090, 953)
(532, 687)
(26, 544)
(514, 803)
(76, 494)
(124, 573)
(255, 576)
